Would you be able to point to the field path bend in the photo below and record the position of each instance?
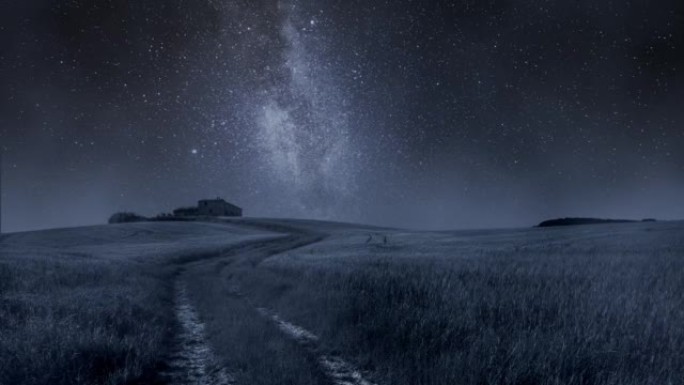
(192, 360)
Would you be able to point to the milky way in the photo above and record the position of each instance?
(303, 128)
(428, 114)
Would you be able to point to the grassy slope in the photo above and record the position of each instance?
(590, 305)
(94, 305)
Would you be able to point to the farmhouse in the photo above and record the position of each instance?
(218, 208)
(210, 208)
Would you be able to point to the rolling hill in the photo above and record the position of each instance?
(292, 301)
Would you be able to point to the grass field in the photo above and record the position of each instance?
(94, 305)
(584, 305)
(596, 304)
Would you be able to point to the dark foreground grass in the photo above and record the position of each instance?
(567, 309)
(71, 319)
(95, 305)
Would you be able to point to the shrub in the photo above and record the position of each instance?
(126, 217)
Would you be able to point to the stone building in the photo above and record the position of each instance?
(218, 208)
(209, 208)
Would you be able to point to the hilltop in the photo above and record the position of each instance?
(586, 221)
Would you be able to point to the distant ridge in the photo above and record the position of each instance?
(586, 221)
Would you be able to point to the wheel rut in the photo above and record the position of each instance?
(191, 359)
(338, 371)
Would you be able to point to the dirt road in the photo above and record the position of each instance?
(205, 353)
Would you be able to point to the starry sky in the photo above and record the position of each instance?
(428, 114)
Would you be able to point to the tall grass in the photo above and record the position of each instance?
(95, 305)
(598, 305)
(67, 319)
(563, 309)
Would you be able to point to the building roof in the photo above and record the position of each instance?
(219, 200)
(213, 200)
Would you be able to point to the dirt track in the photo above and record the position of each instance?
(193, 361)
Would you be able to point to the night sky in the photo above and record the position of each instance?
(422, 114)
